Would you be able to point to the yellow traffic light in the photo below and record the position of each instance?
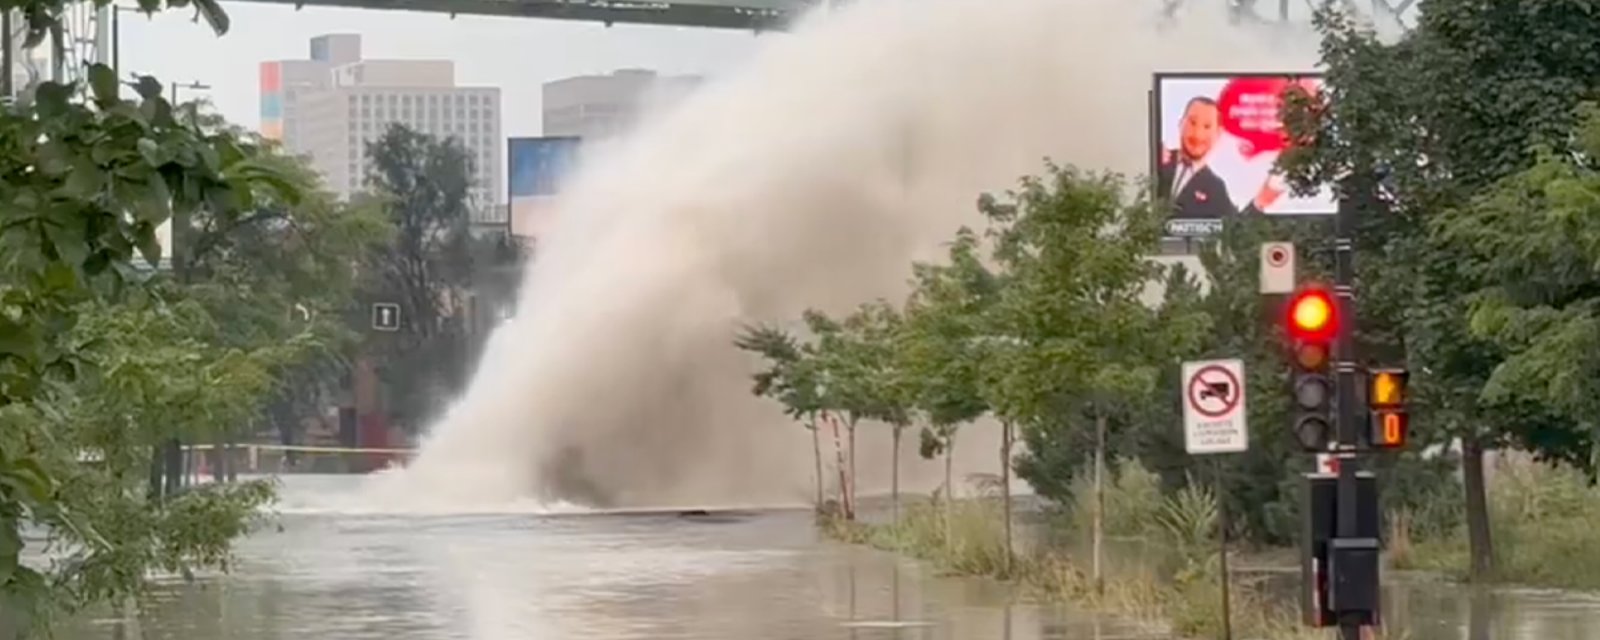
(1388, 388)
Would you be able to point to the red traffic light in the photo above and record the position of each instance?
(1312, 315)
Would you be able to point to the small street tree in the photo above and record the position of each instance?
(788, 378)
(939, 350)
(1078, 337)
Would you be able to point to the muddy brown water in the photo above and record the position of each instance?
(739, 576)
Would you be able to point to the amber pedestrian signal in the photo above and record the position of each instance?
(1388, 388)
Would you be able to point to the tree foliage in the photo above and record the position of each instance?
(1415, 129)
(100, 362)
(88, 177)
(1533, 243)
(423, 185)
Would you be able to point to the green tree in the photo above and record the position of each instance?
(850, 360)
(1533, 243)
(286, 269)
(890, 391)
(1413, 128)
(940, 348)
(88, 177)
(151, 370)
(943, 320)
(1075, 336)
(789, 378)
(424, 186)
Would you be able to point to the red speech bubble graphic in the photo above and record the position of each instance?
(1250, 111)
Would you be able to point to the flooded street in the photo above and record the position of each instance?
(605, 577)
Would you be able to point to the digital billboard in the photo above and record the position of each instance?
(1216, 139)
(538, 168)
(272, 100)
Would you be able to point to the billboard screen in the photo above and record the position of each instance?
(1215, 147)
(272, 100)
(538, 167)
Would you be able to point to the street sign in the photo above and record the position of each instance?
(1328, 463)
(386, 316)
(1214, 407)
(1277, 267)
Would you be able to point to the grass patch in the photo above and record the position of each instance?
(1175, 588)
(1545, 523)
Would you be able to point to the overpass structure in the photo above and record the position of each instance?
(769, 15)
(90, 27)
(755, 15)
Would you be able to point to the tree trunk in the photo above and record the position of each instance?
(1099, 498)
(1005, 486)
(816, 455)
(844, 484)
(851, 486)
(157, 455)
(174, 467)
(949, 489)
(1479, 541)
(228, 456)
(894, 477)
(219, 457)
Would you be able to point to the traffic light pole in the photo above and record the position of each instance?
(1345, 398)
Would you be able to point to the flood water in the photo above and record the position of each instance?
(742, 576)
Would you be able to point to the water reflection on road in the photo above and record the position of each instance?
(767, 575)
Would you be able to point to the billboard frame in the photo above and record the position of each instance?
(1154, 128)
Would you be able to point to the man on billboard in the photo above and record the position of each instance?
(1183, 176)
(1218, 140)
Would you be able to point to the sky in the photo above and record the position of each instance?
(516, 54)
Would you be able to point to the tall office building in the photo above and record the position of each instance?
(333, 105)
(603, 105)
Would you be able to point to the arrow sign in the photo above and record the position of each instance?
(386, 316)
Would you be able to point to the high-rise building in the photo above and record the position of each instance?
(331, 106)
(599, 106)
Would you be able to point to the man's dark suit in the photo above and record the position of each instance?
(1204, 195)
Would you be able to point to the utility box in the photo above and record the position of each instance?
(1338, 574)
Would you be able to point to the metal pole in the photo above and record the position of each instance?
(116, 45)
(1222, 543)
(5, 58)
(1346, 389)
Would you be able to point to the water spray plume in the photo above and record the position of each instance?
(812, 177)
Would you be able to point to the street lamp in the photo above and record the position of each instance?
(196, 85)
(116, 36)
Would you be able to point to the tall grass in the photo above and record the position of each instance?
(1545, 525)
(1176, 587)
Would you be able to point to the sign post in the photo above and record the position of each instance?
(1214, 422)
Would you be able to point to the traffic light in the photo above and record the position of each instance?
(1313, 320)
(1387, 397)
